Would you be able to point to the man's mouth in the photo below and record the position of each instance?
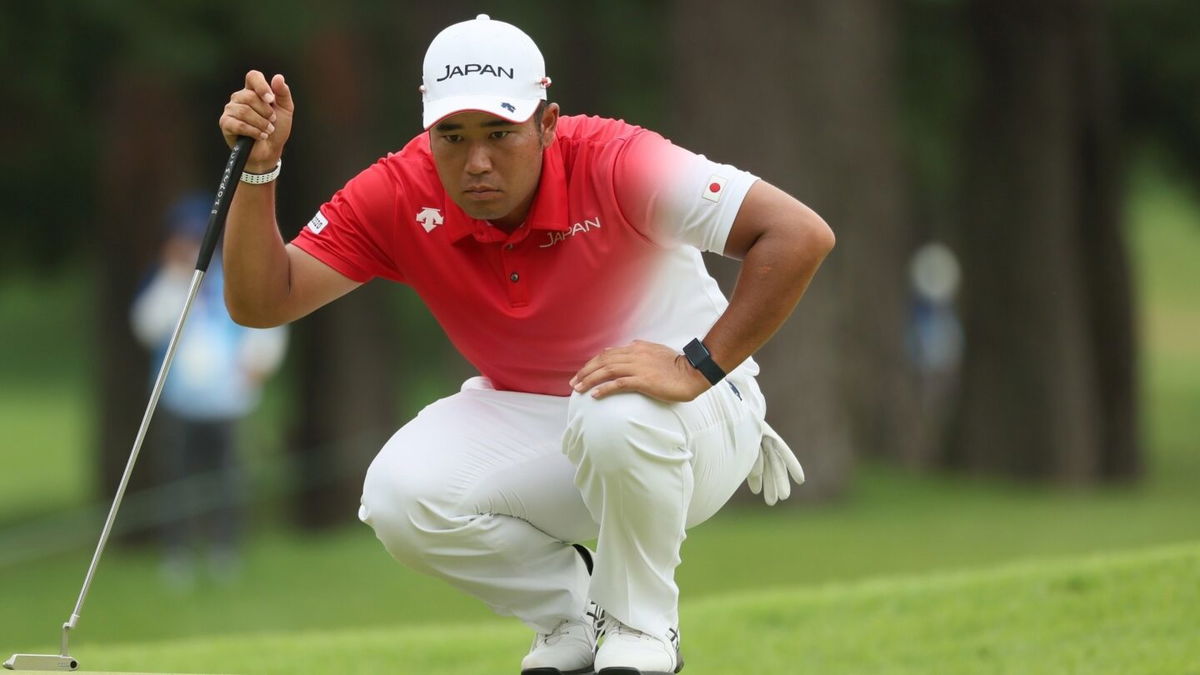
(482, 192)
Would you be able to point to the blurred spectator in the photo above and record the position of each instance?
(215, 381)
(935, 338)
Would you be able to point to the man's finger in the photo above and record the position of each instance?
(237, 127)
(604, 373)
(608, 357)
(257, 83)
(249, 115)
(283, 93)
(250, 101)
(615, 386)
(592, 364)
(584, 371)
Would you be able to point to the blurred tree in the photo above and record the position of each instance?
(142, 114)
(345, 404)
(803, 94)
(1158, 67)
(48, 130)
(1048, 381)
(153, 141)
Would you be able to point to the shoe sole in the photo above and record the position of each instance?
(618, 670)
(556, 671)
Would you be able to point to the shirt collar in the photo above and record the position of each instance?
(547, 212)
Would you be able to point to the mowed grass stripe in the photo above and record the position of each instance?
(1126, 613)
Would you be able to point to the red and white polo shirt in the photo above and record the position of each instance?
(609, 253)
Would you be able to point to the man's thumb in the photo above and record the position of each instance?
(283, 93)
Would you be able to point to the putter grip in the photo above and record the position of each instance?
(220, 209)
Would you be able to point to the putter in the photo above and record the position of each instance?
(216, 223)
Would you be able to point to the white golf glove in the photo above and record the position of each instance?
(775, 463)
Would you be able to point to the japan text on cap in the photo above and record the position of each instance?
(485, 65)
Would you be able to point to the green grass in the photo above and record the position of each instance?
(44, 400)
(1165, 244)
(1131, 613)
(893, 524)
(45, 426)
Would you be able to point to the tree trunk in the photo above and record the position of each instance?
(1048, 386)
(1106, 257)
(147, 147)
(345, 352)
(807, 103)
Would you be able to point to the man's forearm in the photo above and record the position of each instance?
(257, 268)
(775, 273)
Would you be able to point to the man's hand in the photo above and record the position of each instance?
(263, 111)
(647, 367)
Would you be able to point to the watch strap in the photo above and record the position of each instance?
(700, 358)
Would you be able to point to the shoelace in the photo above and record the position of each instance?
(593, 612)
(606, 626)
(554, 635)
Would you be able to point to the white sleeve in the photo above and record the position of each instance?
(675, 196)
(263, 349)
(156, 309)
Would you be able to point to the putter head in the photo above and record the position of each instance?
(41, 662)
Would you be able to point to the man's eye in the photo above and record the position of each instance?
(500, 134)
(452, 138)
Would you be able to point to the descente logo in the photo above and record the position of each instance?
(553, 238)
(473, 68)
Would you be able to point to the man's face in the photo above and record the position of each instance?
(490, 166)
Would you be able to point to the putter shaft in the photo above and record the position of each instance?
(159, 381)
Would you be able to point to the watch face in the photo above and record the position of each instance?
(701, 359)
(696, 353)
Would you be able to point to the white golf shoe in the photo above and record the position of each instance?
(569, 649)
(628, 651)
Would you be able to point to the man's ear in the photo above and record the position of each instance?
(549, 124)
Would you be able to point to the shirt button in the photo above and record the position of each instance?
(508, 247)
(514, 277)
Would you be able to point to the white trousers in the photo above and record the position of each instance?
(488, 489)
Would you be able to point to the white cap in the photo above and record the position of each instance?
(484, 65)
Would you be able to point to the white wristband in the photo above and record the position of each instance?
(262, 178)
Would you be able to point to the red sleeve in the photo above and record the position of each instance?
(353, 232)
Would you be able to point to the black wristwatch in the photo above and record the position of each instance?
(697, 355)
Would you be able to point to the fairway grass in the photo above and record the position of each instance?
(1128, 613)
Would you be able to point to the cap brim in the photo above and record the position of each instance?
(513, 110)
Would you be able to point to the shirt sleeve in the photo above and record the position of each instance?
(674, 196)
(353, 231)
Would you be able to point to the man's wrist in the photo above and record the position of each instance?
(251, 177)
(261, 167)
(698, 356)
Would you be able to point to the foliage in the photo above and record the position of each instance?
(58, 53)
(1158, 67)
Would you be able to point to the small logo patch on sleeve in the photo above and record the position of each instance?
(318, 223)
(714, 188)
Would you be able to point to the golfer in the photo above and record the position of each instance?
(616, 399)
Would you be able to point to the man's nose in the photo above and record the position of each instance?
(478, 160)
